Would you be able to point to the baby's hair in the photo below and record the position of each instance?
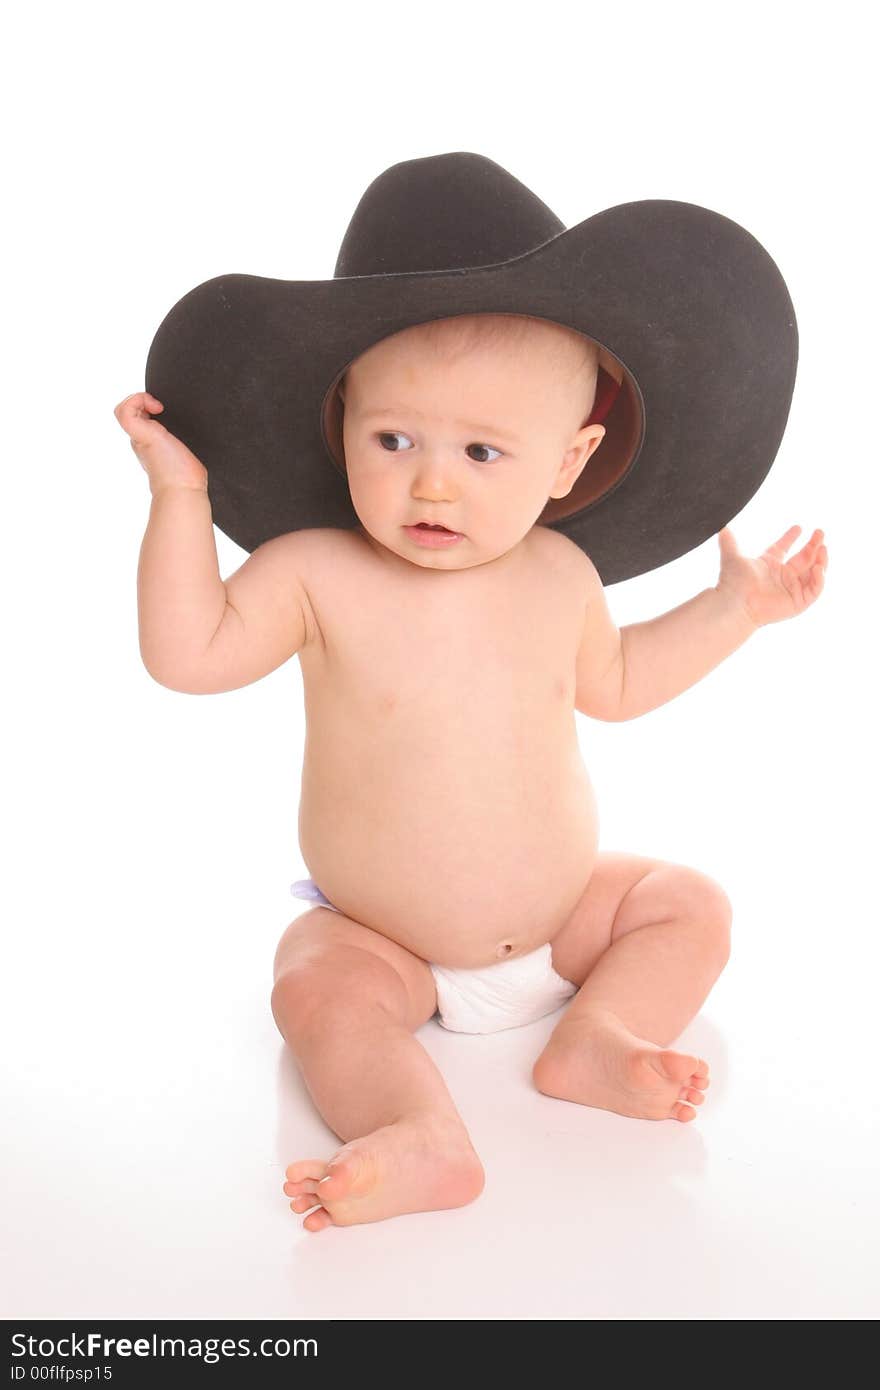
(572, 352)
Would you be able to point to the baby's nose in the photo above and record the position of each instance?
(436, 483)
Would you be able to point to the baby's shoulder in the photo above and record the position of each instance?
(553, 549)
(326, 557)
(322, 543)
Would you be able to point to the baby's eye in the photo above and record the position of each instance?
(392, 434)
(485, 446)
(398, 434)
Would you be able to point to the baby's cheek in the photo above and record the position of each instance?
(377, 491)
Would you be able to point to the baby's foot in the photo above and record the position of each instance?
(595, 1060)
(420, 1162)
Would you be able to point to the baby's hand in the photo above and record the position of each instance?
(768, 588)
(166, 459)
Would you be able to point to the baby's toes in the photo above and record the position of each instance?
(305, 1202)
(300, 1189)
(302, 1179)
(305, 1168)
(683, 1112)
(676, 1066)
(694, 1096)
(337, 1180)
(318, 1220)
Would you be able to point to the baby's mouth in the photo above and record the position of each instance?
(443, 533)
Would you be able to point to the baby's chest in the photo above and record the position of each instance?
(450, 674)
(482, 659)
(473, 672)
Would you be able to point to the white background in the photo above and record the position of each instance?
(149, 1104)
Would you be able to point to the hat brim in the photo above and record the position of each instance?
(689, 304)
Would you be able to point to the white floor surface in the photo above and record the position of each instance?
(148, 1152)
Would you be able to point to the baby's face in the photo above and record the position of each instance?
(476, 444)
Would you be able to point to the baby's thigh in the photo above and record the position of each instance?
(328, 950)
(620, 897)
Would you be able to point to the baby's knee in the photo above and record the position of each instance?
(710, 903)
(335, 985)
(293, 1001)
(300, 937)
(694, 895)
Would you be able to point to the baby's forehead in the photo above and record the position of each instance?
(490, 366)
(533, 374)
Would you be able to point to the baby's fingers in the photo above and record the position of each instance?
(808, 556)
(137, 400)
(139, 406)
(778, 549)
(135, 415)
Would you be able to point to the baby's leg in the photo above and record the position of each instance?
(347, 999)
(645, 944)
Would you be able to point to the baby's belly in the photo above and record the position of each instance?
(461, 863)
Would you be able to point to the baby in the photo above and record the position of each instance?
(446, 812)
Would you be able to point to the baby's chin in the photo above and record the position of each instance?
(460, 555)
(463, 555)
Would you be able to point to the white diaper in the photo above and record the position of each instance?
(506, 994)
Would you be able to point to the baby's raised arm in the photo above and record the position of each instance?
(197, 633)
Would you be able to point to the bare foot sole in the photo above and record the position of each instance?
(418, 1163)
(596, 1060)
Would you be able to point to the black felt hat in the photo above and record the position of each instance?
(697, 329)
